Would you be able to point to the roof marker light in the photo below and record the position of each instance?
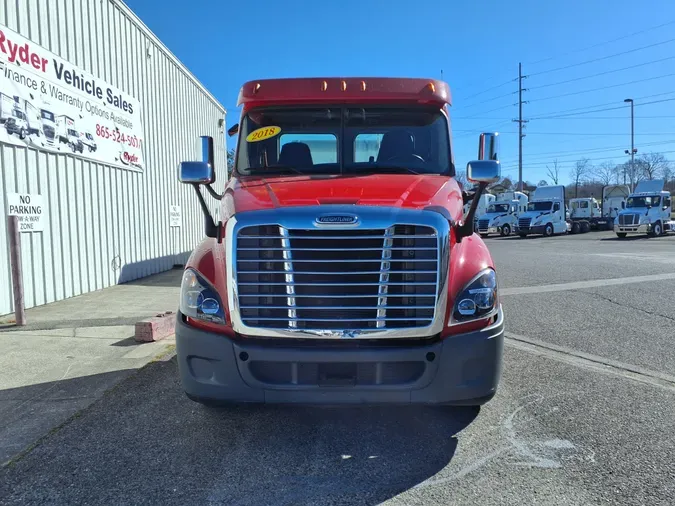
(256, 88)
(324, 86)
(363, 86)
(343, 85)
(432, 87)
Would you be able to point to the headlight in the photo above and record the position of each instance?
(199, 300)
(478, 300)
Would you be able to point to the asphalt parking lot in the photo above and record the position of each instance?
(585, 413)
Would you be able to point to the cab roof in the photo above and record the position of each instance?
(343, 90)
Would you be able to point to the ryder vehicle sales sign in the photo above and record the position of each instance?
(50, 104)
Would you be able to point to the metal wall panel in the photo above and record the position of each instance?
(107, 225)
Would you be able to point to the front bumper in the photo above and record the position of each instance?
(536, 229)
(645, 228)
(461, 370)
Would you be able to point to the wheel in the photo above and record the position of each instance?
(585, 227)
(522, 234)
(73, 148)
(621, 235)
(483, 236)
(91, 149)
(548, 230)
(576, 228)
(506, 230)
(22, 134)
(657, 230)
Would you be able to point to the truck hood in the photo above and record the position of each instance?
(533, 214)
(393, 190)
(635, 210)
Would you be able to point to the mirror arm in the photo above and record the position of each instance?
(467, 228)
(214, 194)
(210, 227)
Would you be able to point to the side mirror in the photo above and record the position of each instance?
(488, 146)
(483, 171)
(200, 172)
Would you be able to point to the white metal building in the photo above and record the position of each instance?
(96, 116)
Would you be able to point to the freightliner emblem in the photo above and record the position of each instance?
(337, 219)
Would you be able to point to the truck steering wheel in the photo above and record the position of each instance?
(407, 158)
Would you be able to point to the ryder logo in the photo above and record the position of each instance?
(22, 53)
(129, 159)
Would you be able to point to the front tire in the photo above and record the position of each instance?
(585, 227)
(576, 228)
(548, 230)
(522, 235)
(22, 134)
(621, 235)
(657, 230)
(506, 231)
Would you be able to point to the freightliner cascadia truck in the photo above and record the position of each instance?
(343, 269)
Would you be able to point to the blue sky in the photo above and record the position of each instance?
(477, 45)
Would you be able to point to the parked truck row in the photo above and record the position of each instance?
(646, 210)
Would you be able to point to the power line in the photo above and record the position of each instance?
(490, 89)
(603, 73)
(604, 43)
(590, 111)
(564, 67)
(553, 155)
(462, 106)
(603, 87)
(491, 110)
(605, 158)
(587, 108)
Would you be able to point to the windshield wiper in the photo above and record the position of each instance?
(277, 170)
(375, 167)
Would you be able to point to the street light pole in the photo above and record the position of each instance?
(632, 145)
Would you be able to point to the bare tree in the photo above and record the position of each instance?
(605, 172)
(667, 173)
(579, 173)
(460, 177)
(553, 173)
(652, 164)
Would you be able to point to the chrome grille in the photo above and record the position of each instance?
(524, 222)
(344, 279)
(629, 219)
(49, 132)
(483, 225)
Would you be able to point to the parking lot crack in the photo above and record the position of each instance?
(628, 306)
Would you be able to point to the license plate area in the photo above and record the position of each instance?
(337, 374)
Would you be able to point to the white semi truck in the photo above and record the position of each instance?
(589, 214)
(648, 211)
(483, 203)
(501, 217)
(545, 213)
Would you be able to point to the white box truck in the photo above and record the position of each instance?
(648, 211)
(501, 217)
(545, 213)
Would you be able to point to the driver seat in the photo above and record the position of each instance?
(397, 143)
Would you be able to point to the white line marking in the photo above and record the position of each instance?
(589, 361)
(576, 285)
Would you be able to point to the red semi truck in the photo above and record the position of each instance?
(343, 270)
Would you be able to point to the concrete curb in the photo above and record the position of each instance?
(155, 328)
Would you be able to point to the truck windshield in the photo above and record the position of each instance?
(539, 206)
(47, 115)
(344, 140)
(498, 208)
(18, 114)
(73, 133)
(641, 201)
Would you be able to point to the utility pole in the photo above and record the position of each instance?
(632, 146)
(521, 122)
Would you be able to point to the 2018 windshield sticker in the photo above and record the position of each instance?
(262, 134)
